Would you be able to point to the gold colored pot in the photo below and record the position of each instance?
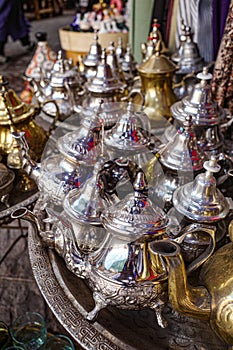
(156, 84)
(15, 115)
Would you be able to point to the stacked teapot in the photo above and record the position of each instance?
(64, 86)
(207, 115)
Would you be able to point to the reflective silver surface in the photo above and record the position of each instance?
(187, 56)
(201, 200)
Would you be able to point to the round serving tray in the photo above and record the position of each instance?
(70, 298)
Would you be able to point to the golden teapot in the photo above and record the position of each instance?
(157, 87)
(211, 297)
(17, 116)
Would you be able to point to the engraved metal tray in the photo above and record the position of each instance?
(69, 298)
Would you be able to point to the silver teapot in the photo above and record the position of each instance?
(106, 86)
(131, 136)
(187, 55)
(121, 272)
(200, 201)
(207, 116)
(64, 86)
(60, 169)
(91, 60)
(174, 164)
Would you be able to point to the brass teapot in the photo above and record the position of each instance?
(17, 116)
(156, 76)
(211, 297)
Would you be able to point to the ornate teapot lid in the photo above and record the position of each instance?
(158, 63)
(104, 81)
(199, 104)
(182, 38)
(135, 216)
(182, 152)
(63, 71)
(154, 38)
(83, 144)
(128, 63)
(201, 200)
(94, 54)
(85, 204)
(131, 132)
(120, 50)
(12, 109)
(187, 56)
(112, 60)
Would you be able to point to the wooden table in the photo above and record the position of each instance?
(39, 8)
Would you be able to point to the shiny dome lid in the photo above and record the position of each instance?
(83, 144)
(199, 104)
(112, 60)
(63, 72)
(104, 81)
(157, 64)
(201, 200)
(182, 152)
(85, 204)
(182, 38)
(135, 216)
(128, 63)
(131, 132)
(187, 56)
(12, 109)
(94, 54)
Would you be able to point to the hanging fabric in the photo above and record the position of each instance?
(198, 15)
(220, 11)
(222, 80)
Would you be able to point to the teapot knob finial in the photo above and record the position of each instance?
(211, 165)
(204, 75)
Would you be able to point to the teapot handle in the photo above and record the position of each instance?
(55, 119)
(134, 92)
(182, 82)
(210, 230)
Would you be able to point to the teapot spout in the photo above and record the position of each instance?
(38, 87)
(24, 213)
(31, 167)
(184, 298)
